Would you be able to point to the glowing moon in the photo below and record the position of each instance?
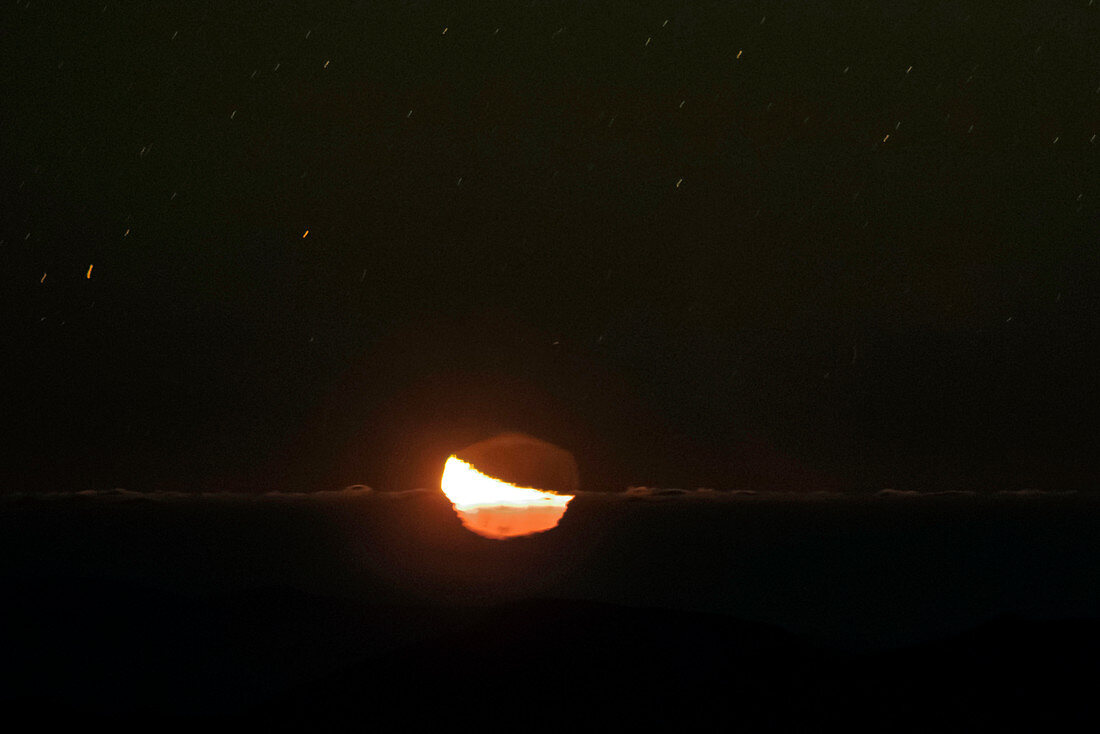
(497, 509)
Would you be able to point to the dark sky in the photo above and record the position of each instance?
(843, 245)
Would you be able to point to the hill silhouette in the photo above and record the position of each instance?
(80, 651)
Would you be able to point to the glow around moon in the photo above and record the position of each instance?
(497, 509)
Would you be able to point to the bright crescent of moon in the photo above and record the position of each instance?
(496, 509)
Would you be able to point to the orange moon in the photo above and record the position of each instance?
(497, 509)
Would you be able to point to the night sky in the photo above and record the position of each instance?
(744, 245)
(800, 301)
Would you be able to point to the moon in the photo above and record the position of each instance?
(476, 481)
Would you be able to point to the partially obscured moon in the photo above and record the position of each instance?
(510, 485)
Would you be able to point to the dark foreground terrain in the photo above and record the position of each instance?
(271, 657)
(643, 609)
